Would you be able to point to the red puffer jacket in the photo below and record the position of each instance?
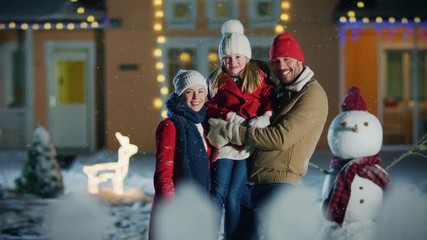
(168, 171)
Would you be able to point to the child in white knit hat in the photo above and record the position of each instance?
(239, 92)
(181, 149)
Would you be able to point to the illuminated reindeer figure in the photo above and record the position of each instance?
(116, 171)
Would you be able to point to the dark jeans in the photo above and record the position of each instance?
(261, 196)
(228, 182)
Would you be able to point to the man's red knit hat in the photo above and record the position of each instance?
(285, 45)
(354, 101)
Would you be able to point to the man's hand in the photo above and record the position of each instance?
(221, 133)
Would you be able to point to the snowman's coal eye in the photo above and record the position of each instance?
(343, 124)
(366, 124)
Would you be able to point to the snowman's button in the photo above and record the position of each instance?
(361, 187)
(362, 201)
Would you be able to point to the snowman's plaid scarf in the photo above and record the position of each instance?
(335, 205)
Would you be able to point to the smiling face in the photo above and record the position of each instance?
(354, 134)
(195, 97)
(286, 69)
(234, 64)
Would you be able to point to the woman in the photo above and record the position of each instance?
(181, 149)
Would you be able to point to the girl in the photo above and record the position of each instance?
(239, 92)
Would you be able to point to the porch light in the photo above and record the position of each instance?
(90, 18)
(286, 5)
(360, 4)
(157, 52)
(94, 25)
(159, 65)
(160, 78)
(80, 10)
(351, 14)
(59, 26)
(164, 91)
(284, 17)
(279, 29)
(47, 26)
(157, 103)
(164, 114)
(83, 25)
(157, 27)
(185, 57)
(159, 14)
(161, 39)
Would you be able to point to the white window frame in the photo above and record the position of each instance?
(214, 21)
(175, 23)
(6, 67)
(259, 21)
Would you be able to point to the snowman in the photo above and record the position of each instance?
(353, 192)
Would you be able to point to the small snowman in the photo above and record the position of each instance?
(353, 192)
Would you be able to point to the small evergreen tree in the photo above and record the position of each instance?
(41, 174)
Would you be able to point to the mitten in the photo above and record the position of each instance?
(234, 118)
(221, 133)
(260, 121)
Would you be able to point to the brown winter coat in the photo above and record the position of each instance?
(283, 150)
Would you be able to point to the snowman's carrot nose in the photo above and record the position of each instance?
(356, 128)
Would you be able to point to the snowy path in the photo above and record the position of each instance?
(130, 220)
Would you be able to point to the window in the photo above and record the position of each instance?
(180, 14)
(263, 13)
(219, 11)
(13, 96)
(12, 78)
(180, 58)
(71, 82)
(400, 75)
(401, 71)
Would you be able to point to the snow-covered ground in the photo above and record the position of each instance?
(404, 215)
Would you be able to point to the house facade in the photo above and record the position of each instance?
(383, 50)
(89, 73)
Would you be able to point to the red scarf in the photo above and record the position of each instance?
(335, 206)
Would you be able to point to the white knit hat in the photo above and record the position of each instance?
(233, 40)
(188, 78)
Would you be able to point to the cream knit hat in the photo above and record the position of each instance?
(233, 40)
(188, 78)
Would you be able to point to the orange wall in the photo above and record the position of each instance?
(130, 94)
(361, 66)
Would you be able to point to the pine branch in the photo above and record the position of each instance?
(414, 150)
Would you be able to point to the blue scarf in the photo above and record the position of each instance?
(190, 150)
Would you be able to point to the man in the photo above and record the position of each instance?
(282, 150)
